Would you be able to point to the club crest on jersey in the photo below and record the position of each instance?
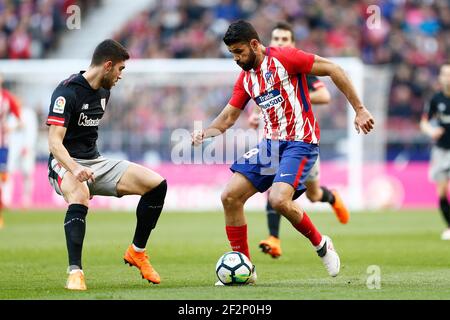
(268, 77)
(103, 103)
(60, 103)
(442, 107)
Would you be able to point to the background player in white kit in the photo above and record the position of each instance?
(22, 154)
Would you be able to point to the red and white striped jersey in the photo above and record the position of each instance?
(8, 106)
(279, 88)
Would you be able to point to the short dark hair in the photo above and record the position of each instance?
(240, 31)
(109, 50)
(285, 26)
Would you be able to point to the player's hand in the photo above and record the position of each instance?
(436, 133)
(253, 121)
(197, 137)
(84, 174)
(364, 121)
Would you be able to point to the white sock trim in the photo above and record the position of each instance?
(322, 242)
(137, 249)
(76, 270)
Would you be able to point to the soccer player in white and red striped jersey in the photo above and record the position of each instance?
(275, 78)
(283, 36)
(8, 106)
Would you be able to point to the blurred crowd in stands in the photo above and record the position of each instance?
(31, 28)
(412, 37)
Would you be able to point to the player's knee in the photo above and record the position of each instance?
(279, 202)
(78, 196)
(442, 190)
(157, 194)
(229, 199)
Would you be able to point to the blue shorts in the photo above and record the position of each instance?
(277, 161)
(3, 159)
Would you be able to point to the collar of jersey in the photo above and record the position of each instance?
(258, 68)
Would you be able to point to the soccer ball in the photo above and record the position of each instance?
(234, 268)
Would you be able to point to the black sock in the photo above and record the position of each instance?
(327, 196)
(273, 220)
(445, 209)
(75, 229)
(147, 213)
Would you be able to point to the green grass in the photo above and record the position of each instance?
(414, 262)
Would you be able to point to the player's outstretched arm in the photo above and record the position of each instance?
(220, 124)
(55, 143)
(324, 67)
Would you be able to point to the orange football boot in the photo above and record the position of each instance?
(141, 261)
(339, 208)
(75, 281)
(272, 246)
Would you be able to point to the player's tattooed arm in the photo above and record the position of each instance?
(220, 124)
(55, 143)
(324, 67)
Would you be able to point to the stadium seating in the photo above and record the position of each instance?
(411, 38)
(30, 29)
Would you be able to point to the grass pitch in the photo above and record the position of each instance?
(405, 245)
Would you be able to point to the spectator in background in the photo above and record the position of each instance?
(20, 43)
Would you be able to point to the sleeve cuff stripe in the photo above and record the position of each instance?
(55, 122)
(56, 118)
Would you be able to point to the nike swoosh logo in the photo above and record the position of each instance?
(285, 174)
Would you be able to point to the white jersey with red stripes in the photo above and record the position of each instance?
(279, 88)
(8, 106)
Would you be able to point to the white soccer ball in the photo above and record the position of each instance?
(234, 268)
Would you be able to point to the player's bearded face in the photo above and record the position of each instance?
(112, 75)
(107, 81)
(243, 55)
(247, 59)
(250, 63)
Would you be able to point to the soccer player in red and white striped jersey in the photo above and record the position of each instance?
(275, 78)
(283, 36)
(8, 106)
